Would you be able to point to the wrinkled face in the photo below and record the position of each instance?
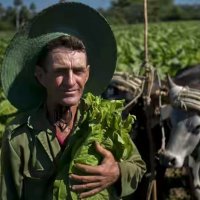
(65, 77)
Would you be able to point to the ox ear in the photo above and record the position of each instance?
(170, 82)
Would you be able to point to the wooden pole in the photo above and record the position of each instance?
(149, 74)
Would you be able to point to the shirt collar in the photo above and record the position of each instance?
(37, 119)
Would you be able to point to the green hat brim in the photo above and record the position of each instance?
(76, 19)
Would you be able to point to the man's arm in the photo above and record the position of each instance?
(132, 170)
(10, 180)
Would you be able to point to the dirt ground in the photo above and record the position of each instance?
(177, 182)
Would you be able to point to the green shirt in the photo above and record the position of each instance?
(33, 166)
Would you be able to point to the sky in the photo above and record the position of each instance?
(185, 1)
(40, 4)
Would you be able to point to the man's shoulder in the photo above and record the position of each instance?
(18, 122)
(27, 122)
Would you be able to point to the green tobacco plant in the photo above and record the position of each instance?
(172, 47)
(6, 109)
(7, 112)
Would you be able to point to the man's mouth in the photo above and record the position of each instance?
(70, 91)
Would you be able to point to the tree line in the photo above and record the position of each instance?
(16, 15)
(13, 16)
(131, 11)
(120, 12)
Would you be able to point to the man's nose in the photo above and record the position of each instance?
(69, 78)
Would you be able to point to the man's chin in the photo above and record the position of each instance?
(70, 102)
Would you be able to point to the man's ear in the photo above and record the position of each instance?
(88, 73)
(40, 75)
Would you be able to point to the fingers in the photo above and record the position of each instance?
(89, 193)
(88, 169)
(87, 186)
(85, 179)
(102, 151)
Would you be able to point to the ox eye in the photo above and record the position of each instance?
(196, 130)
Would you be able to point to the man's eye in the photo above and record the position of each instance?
(79, 71)
(58, 72)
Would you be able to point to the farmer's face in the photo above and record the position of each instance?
(66, 76)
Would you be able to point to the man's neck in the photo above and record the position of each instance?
(59, 113)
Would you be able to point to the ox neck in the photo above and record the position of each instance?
(195, 153)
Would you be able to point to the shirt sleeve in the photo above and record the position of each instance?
(10, 177)
(132, 170)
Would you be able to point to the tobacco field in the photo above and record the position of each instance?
(172, 47)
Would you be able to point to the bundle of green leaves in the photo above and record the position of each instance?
(101, 122)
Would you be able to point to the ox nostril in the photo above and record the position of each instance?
(172, 162)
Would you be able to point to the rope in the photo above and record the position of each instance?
(149, 69)
(129, 106)
(152, 190)
(146, 58)
(161, 119)
(149, 74)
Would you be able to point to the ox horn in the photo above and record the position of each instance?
(174, 91)
(171, 82)
(183, 97)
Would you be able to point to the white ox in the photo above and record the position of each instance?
(184, 138)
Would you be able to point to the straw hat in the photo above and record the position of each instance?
(71, 18)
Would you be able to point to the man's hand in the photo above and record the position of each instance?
(99, 177)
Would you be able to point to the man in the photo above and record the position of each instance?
(64, 146)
